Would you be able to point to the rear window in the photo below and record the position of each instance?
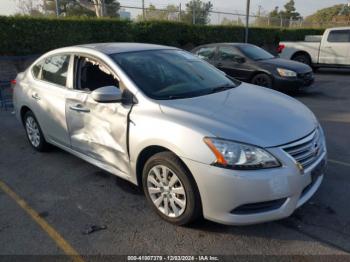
(206, 53)
(339, 36)
(55, 68)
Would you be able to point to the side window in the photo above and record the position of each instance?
(206, 53)
(55, 68)
(36, 70)
(91, 74)
(339, 36)
(228, 53)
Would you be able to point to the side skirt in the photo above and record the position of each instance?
(93, 161)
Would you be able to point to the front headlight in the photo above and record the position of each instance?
(235, 155)
(286, 73)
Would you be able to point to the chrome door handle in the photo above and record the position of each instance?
(79, 108)
(36, 96)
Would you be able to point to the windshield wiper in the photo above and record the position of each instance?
(222, 88)
(187, 95)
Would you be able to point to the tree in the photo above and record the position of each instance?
(151, 13)
(198, 12)
(325, 16)
(97, 8)
(32, 8)
(237, 22)
(275, 12)
(289, 11)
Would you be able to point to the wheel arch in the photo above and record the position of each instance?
(301, 52)
(260, 72)
(269, 74)
(150, 151)
(23, 111)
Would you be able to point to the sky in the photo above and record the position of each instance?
(305, 7)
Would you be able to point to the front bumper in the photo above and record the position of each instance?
(222, 191)
(295, 83)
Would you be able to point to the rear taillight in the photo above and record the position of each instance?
(13, 83)
(280, 48)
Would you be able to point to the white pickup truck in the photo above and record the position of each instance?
(332, 49)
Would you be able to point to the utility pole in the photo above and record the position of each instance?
(103, 8)
(180, 19)
(143, 10)
(194, 13)
(57, 8)
(247, 21)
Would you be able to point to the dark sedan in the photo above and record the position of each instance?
(253, 64)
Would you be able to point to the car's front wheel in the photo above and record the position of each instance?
(170, 189)
(34, 133)
(262, 80)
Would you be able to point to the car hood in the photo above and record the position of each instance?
(287, 64)
(247, 113)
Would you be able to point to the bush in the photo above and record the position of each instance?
(21, 35)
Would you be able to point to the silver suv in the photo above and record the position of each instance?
(198, 142)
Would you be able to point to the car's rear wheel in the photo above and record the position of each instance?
(302, 58)
(170, 189)
(34, 133)
(262, 80)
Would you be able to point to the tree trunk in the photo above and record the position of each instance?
(95, 6)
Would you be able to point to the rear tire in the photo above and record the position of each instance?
(34, 134)
(170, 189)
(302, 58)
(262, 80)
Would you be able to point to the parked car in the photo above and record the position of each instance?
(196, 141)
(330, 50)
(253, 64)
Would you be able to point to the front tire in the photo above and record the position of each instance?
(170, 189)
(34, 133)
(262, 80)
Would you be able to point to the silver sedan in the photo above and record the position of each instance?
(198, 142)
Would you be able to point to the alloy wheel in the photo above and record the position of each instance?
(33, 131)
(166, 191)
(262, 81)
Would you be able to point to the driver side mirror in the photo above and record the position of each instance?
(107, 94)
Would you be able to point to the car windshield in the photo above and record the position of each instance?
(172, 74)
(255, 53)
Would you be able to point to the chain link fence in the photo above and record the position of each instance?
(136, 10)
(218, 17)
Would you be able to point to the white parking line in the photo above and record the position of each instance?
(339, 162)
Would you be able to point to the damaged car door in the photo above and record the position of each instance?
(97, 128)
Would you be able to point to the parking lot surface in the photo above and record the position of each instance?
(74, 197)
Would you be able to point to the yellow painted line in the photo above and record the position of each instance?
(54, 235)
(338, 162)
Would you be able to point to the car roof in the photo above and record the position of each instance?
(225, 43)
(113, 48)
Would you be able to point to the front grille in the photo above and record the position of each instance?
(260, 207)
(307, 150)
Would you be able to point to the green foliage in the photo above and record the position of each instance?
(171, 12)
(200, 10)
(275, 13)
(27, 35)
(290, 11)
(326, 15)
